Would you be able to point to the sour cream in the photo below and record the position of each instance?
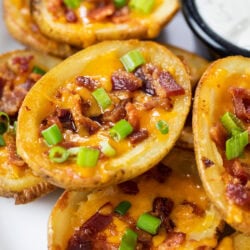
(230, 19)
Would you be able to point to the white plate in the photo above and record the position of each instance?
(24, 227)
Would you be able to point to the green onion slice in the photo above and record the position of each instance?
(231, 122)
(72, 3)
(148, 223)
(132, 60)
(162, 126)
(121, 130)
(52, 135)
(58, 154)
(38, 70)
(144, 6)
(120, 3)
(102, 98)
(2, 141)
(15, 126)
(87, 157)
(4, 122)
(122, 207)
(129, 240)
(107, 149)
(236, 144)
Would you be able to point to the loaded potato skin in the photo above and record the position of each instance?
(153, 115)
(94, 21)
(219, 119)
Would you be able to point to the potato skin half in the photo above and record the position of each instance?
(22, 27)
(81, 35)
(39, 102)
(210, 103)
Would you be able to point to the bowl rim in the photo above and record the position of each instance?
(206, 34)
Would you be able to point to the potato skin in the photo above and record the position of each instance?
(81, 35)
(22, 27)
(211, 99)
(36, 106)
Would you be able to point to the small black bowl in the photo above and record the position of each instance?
(218, 44)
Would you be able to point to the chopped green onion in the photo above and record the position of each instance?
(38, 70)
(129, 240)
(15, 126)
(148, 223)
(58, 154)
(52, 135)
(107, 149)
(4, 122)
(231, 122)
(87, 157)
(144, 6)
(121, 130)
(236, 144)
(122, 207)
(132, 60)
(72, 3)
(162, 126)
(119, 3)
(102, 98)
(2, 141)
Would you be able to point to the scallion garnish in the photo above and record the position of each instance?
(73, 4)
(52, 135)
(148, 223)
(129, 240)
(4, 122)
(38, 70)
(122, 207)
(132, 60)
(102, 98)
(121, 130)
(236, 144)
(162, 126)
(87, 157)
(119, 3)
(231, 122)
(58, 154)
(144, 6)
(107, 149)
(2, 141)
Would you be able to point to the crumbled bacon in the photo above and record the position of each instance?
(161, 172)
(219, 135)
(20, 64)
(174, 240)
(87, 82)
(138, 136)
(66, 118)
(129, 187)
(144, 240)
(157, 101)
(101, 12)
(241, 102)
(239, 194)
(133, 116)
(195, 208)
(121, 15)
(116, 114)
(70, 16)
(207, 162)
(122, 80)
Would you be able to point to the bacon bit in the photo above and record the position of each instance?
(144, 240)
(174, 240)
(122, 80)
(49, 121)
(121, 15)
(87, 82)
(138, 136)
(219, 135)
(129, 187)
(133, 116)
(157, 101)
(115, 114)
(70, 16)
(195, 208)
(171, 87)
(207, 163)
(239, 194)
(20, 64)
(101, 12)
(66, 118)
(241, 101)
(54, 5)
(160, 173)
(237, 170)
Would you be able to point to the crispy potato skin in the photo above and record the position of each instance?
(81, 35)
(36, 107)
(211, 102)
(73, 208)
(19, 182)
(22, 27)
